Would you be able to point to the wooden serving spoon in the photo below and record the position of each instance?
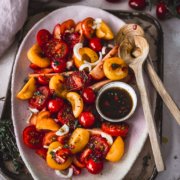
(134, 51)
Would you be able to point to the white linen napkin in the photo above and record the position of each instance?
(13, 14)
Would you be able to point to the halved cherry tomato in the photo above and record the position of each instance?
(77, 162)
(55, 49)
(87, 27)
(43, 80)
(33, 66)
(76, 170)
(120, 129)
(99, 146)
(86, 119)
(57, 31)
(40, 98)
(43, 36)
(77, 80)
(62, 155)
(58, 65)
(95, 44)
(94, 167)
(67, 25)
(63, 139)
(54, 105)
(88, 96)
(85, 155)
(42, 152)
(32, 138)
(49, 138)
(65, 116)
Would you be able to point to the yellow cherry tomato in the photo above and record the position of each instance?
(116, 151)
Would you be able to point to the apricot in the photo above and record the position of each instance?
(28, 89)
(36, 56)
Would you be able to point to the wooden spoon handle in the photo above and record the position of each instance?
(149, 118)
(171, 105)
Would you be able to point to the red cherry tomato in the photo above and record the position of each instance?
(76, 170)
(62, 155)
(87, 27)
(99, 146)
(32, 138)
(85, 155)
(95, 44)
(33, 66)
(42, 152)
(94, 167)
(65, 116)
(137, 4)
(161, 10)
(67, 25)
(49, 138)
(54, 105)
(58, 65)
(55, 49)
(40, 98)
(43, 36)
(63, 139)
(88, 96)
(86, 119)
(57, 31)
(43, 80)
(120, 129)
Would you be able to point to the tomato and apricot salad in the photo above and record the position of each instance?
(67, 70)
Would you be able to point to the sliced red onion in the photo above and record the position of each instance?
(84, 66)
(63, 130)
(76, 50)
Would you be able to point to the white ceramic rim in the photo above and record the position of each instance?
(124, 86)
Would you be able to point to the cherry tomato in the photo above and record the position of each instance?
(57, 31)
(99, 146)
(40, 98)
(42, 152)
(95, 44)
(33, 66)
(77, 162)
(49, 138)
(120, 129)
(161, 10)
(94, 167)
(55, 49)
(32, 138)
(65, 116)
(77, 80)
(87, 27)
(43, 36)
(67, 25)
(88, 96)
(76, 170)
(62, 155)
(63, 139)
(54, 105)
(86, 119)
(43, 80)
(85, 155)
(58, 65)
(137, 4)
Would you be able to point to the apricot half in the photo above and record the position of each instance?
(87, 54)
(115, 68)
(28, 89)
(76, 102)
(36, 56)
(104, 31)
